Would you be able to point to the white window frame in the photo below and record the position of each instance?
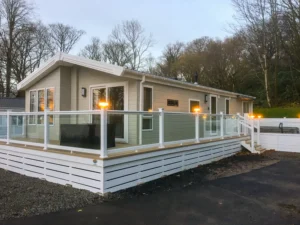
(227, 99)
(106, 86)
(150, 116)
(37, 102)
(194, 100)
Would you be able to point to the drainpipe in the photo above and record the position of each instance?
(141, 108)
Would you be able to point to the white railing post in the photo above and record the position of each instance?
(103, 133)
(238, 124)
(252, 135)
(161, 128)
(8, 122)
(46, 129)
(197, 140)
(258, 131)
(23, 125)
(246, 120)
(222, 125)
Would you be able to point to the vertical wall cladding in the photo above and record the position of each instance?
(130, 171)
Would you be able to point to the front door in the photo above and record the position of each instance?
(115, 98)
(213, 112)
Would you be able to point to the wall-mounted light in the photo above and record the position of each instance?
(83, 92)
(205, 98)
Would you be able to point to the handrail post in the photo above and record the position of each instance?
(161, 128)
(238, 124)
(103, 133)
(258, 131)
(8, 122)
(197, 140)
(246, 122)
(222, 125)
(252, 135)
(46, 129)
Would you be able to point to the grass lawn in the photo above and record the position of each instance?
(278, 112)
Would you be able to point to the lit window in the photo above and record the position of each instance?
(32, 119)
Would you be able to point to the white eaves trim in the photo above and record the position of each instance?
(63, 58)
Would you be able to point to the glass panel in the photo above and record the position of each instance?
(245, 107)
(50, 99)
(194, 105)
(99, 95)
(179, 127)
(147, 99)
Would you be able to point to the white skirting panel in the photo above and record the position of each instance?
(78, 172)
(125, 172)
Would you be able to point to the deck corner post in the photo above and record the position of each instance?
(46, 129)
(8, 122)
(103, 133)
(161, 128)
(238, 124)
(222, 125)
(197, 139)
(258, 131)
(252, 135)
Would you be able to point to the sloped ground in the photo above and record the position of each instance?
(23, 196)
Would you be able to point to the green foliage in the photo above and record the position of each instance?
(292, 112)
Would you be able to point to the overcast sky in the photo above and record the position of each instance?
(168, 20)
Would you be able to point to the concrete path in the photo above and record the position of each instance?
(270, 195)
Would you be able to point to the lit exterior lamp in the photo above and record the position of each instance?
(103, 105)
(204, 117)
(197, 110)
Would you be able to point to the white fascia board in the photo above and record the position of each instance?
(61, 58)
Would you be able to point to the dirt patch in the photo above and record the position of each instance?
(24, 196)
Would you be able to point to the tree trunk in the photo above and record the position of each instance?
(8, 74)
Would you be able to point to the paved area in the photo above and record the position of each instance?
(269, 195)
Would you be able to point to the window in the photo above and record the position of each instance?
(147, 98)
(17, 120)
(32, 106)
(171, 102)
(227, 106)
(38, 100)
(148, 106)
(194, 104)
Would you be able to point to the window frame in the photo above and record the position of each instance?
(36, 102)
(147, 116)
(194, 100)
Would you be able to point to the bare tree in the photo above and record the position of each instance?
(116, 53)
(132, 35)
(14, 16)
(94, 50)
(63, 37)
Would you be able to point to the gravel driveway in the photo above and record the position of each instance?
(24, 196)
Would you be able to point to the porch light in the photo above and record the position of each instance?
(197, 110)
(252, 116)
(204, 117)
(103, 105)
(149, 110)
(259, 116)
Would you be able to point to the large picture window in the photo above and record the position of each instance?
(147, 106)
(38, 100)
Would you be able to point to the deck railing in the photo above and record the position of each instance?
(112, 131)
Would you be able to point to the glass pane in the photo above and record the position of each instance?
(194, 105)
(116, 102)
(41, 100)
(116, 98)
(147, 99)
(32, 101)
(227, 106)
(147, 123)
(50, 99)
(99, 95)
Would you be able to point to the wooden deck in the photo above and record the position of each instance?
(118, 146)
